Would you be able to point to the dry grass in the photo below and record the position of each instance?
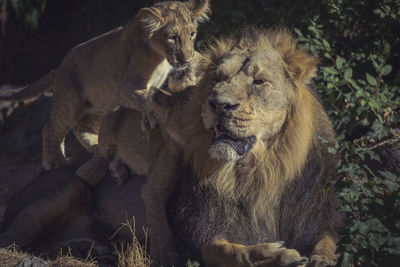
(69, 261)
(11, 256)
(129, 254)
(132, 254)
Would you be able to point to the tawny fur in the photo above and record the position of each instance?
(116, 69)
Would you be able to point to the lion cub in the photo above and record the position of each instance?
(115, 69)
(155, 155)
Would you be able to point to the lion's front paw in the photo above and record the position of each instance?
(321, 261)
(274, 254)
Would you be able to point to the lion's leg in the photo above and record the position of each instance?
(155, 194)
(87, 132)
(45, 214)
(323, 253)
(66, 112)
(222, 253)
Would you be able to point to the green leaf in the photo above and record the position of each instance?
(370, 79)
(298, 32)
(326, 44)
(332, 150)
(340, 62)
(372, 103)
(386, 50)
(347, 260)
(386, 69)
(348, 74)
(330, 70)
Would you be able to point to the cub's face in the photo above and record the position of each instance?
(175, 41)
(249, 100)
(171, 27)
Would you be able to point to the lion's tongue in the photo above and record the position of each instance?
(241, 146)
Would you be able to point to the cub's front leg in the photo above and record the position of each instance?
(155, 194)
(136, 96)
(219, 252)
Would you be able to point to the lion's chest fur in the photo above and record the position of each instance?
(205, 213)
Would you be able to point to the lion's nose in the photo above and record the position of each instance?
(222, 106)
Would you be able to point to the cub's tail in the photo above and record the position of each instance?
(30, 91)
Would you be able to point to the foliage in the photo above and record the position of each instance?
(26, 10)
(361, 93)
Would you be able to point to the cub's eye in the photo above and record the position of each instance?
(192, 35)
(259, 82)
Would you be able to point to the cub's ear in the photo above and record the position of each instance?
(200, 8)
(151, 18)
(301, 66)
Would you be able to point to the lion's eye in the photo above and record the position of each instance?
(259, 82)
(192, 35)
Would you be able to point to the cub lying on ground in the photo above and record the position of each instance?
(115, 69)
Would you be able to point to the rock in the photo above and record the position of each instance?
(32, 262)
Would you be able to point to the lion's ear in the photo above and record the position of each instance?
(300, 65)
(200, 8)
(151, 18)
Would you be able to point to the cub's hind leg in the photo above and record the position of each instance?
(95, 169)
(67, 110)
(87, 131)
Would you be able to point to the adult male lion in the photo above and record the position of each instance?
(255, 156)
(258, 152)
(115, 69)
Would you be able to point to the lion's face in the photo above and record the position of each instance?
(172, 28)
(248, 102)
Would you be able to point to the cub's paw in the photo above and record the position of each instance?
(274, 254)
(321, 261)
(93, 171)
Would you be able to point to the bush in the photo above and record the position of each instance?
(361, 92)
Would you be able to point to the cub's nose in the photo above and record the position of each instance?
(223, 107)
